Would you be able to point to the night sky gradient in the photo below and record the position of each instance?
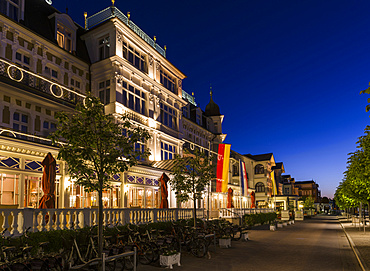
(286, 74)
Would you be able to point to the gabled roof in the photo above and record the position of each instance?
(36, 18)
(307, 182)
(279, 165)
(260, 157)
(304, 182)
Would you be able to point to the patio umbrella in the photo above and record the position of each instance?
(164, 193)
(253, 199)
(230, 203)
(48, 182)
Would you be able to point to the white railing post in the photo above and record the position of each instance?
(28, 219)
(155, 215)
(176, 214)
(14, 224)
(86, 214)
(126, 216)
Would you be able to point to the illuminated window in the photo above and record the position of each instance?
(133, 98)
(104, 92)
(168, 151)
(33, 191)
(134, 57)
(9, 189)
(10, 8)
(259, 169)
(136, 197)
(168, 116)
(168, 81)
(64, 37)
(104, 46)
(260, 187)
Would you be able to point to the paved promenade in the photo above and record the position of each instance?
(319, 243)
(359, 239)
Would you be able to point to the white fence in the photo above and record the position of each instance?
(233, 212)
(17, 220)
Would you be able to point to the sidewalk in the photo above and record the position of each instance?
(359, 239)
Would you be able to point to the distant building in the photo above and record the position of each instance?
(309, 189)
(262, 166)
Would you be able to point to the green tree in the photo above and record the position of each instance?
(308, 202)
(357, 175)
(343, 196)
(192, 173)
(96, 146)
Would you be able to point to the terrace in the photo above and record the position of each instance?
(113, 12)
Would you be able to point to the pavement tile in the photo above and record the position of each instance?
(360, 238)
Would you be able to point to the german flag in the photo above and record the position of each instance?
(223, 159)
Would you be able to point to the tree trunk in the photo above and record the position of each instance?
(195, 207)
(100, 220)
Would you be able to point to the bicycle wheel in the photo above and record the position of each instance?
(198, 248)
(120, 263)
(145, 253)
(38, 264)
(236, 234)
(156, 251)
(227, 232)
(110, 265)
(54, 263)
(19, 267)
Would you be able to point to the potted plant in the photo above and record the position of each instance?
(169, 258)
(272, 225)
(225, 242)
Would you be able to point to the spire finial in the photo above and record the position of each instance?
(210, 92)
(85, 15)
(113, 2)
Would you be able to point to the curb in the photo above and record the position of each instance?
(354, 249)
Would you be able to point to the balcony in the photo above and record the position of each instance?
(39, 85)
(112, 12)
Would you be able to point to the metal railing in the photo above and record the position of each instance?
(105, 259)
(39, 83)
(17, 220)
(235, 212)
(112, 12)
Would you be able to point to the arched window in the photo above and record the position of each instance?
(260, 187)
(259, 169)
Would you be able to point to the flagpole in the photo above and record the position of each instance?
(240, 183)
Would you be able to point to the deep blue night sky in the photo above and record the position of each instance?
(286, 74)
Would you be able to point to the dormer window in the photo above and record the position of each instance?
(64, 37)
(65, 31)
(10, 8)
(198, 120)
(104, 46)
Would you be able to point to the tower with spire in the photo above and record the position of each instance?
(213, 111)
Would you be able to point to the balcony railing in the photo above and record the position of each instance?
(234, 212)
(186, 96)
(112, 12)
(38, 83)
(17, 220)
